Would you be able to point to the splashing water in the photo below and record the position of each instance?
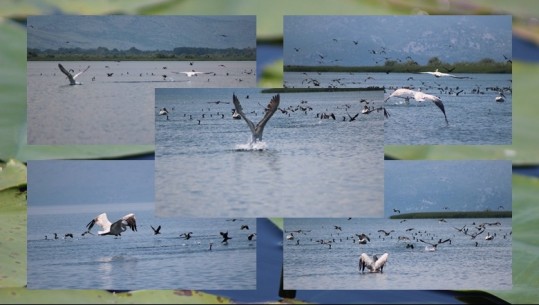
(258, 145)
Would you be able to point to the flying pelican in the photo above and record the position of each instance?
(259, 128)
(225, 237)
(186, 235)
(115, 228)
(71, 76)
(419, 96)
(374, 264)
(441, 74)
(193, 73)
(385, 232)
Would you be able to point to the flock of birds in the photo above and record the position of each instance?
(129, 221)
(398, 239)
(163, 75)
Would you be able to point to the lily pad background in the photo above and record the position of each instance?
(14, 151)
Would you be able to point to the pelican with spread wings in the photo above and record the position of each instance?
(70, 76)
(258, 129)
(116, 228)
(374, 264)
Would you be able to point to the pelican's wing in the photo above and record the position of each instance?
(426, 242)
(438, 102)
(90, 225)
(71, 79)
(239, 109)
(130, 221)
(365, 261)
(64, 71)
(380, 262)
(103, 221)
(271, 108)
(76, 75)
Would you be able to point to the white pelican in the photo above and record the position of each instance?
(419, 96)
(115, 228)
(441, 74)
(489, 237)
(500, 98)
(236, 115)
(193, 73)
(374, 264)
(290, 236)
(259, 128)
(163, 111)
(363, 238)
(433, 247)
(71, 76)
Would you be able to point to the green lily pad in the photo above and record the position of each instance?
(525, 242)
(525, 146)
(12, 174)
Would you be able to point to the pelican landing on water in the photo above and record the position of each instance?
(258, 129)
(419, 96)
(374, 264)
(72, 77)
(116, 228)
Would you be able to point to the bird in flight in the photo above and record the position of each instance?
(258, 129)
(419, 96)
(156, 231)
(70, 76)
(116, 228)
(441, 74)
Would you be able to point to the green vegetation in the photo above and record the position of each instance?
(485, 65)
(454, 214)
(331, 89)
(134, 54)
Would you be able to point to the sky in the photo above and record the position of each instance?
(142, 32)
(75, 184)
(425, 186)
(366, 40)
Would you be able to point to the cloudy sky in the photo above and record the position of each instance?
(425, 186)
(369, 40)
(141, 32)
(75, 184)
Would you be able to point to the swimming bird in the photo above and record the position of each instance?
(374, 264)
(441, 74)
(259, 128)
(156, 231)
(116, 228)
(419, 96)
(186, 235)
(489, 237)
(500, 98)
(72, 77)
(363, 238)
(250, 236)
(290, 236)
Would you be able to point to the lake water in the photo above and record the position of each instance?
(117, 109)
(306, 166)
(475, 118)
(459, 265)
(140, 260)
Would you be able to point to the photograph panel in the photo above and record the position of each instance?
(447, 79)
(286, 153)
(91, 79)
(92, 225)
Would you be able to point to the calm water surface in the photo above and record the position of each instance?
(475, 118)
(460, 265)
(116, 109)
(306, 165)
(140, 260)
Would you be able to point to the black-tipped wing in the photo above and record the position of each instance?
(64, 71)
(438, 102)
(239, 110)
(90, 225)
(270, 110)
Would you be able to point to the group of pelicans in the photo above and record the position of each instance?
(375, 263)
(129, 222)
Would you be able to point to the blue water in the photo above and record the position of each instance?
(459, 265)
(307, 166)
(140, 260)
(475, 118)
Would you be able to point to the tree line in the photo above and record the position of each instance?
(179, 54)
(485, 65)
